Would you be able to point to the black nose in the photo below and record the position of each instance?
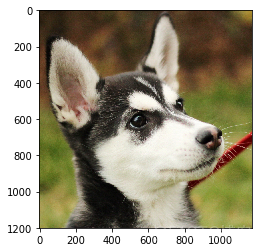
(210, 137)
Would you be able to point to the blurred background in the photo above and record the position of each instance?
(215, 80)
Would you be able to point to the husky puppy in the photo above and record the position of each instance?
(134, 146)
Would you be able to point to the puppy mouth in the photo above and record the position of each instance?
(196, 168)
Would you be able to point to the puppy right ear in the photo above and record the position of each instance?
(162, 56)
(72, 82)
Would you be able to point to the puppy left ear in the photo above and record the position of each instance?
(162, 56)
(72, 83)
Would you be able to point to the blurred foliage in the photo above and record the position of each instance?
(215, 79)
(212, 43)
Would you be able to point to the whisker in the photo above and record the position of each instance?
(233, 132)
(236, 125)
(243, 147)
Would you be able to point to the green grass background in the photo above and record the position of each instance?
(224, 200)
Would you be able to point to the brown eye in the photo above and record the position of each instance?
(138, 121)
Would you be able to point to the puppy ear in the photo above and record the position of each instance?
(72, 83)
(162, 56)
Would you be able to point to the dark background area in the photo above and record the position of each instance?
(213, 44)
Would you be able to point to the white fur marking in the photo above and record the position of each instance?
(164, 210)
(146, 83)
(137, 169)
(170, 95)
(141, 101)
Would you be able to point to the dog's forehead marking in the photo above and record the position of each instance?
(141, 101)
(169, 94)
(146, 83)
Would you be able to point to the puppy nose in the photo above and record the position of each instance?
(210, 137)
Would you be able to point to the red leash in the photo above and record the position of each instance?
(227, 156)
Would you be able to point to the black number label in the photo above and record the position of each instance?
(23, 120)
(23, 84)
(112, 240)
(19, 191)
(76, 240)
(19, 229)
(23, 155)
(21, 47)
(184, 240)
(220, 239)
(148, 240)
(30, 11)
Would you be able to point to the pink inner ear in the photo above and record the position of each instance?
(72, 94)
(84, 106)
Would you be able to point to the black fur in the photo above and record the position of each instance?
(102, 205)
(107, 206)
(148, 69)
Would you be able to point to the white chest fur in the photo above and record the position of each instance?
(165, 209)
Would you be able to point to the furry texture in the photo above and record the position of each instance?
(134, 146)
